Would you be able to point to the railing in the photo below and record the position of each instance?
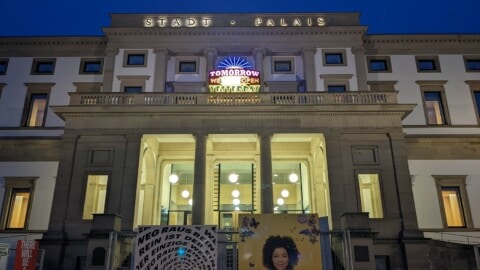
(235, 99)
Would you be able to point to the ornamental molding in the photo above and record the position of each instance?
(53, 41)
(392, 39)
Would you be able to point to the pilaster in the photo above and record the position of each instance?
(199, 189)
(360, 65)
(308, 55)
(109, 68)
(161, 58)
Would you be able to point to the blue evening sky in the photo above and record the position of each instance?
(87, 17)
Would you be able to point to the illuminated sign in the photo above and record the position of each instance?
(234, 76)
(165, 21)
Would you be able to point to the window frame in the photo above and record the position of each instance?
(132, 81)
(180, 60)
(467, 58)
(128, 53)
(36, 62)
(444, 108)
(475, 89)
(17, 183)
(107, 192)
(4, 61)
(386, 59)
(433, 58)
(85, 61)
(380, 189)
(341, 52)
(336, 79)
(36, 89)
(455, 181)
(283, 60)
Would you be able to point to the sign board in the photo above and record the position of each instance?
(26, 256)
(4, 249)
(263, 235)
(234, 76)
(176, 248)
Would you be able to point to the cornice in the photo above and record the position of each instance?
(53, 41)
(427, 38)
(240, 31)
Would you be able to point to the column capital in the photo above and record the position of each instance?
(308, 51)
(113, 51)
(358, 50)
(259, 50)
(212, 52)
(164, 51)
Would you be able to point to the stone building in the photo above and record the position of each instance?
(194, 118)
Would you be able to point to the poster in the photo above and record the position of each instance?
(176, 248)
(26, 256)
(261, 234)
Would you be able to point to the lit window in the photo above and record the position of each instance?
(370, 195)
(452, 205)
(427, 64)
(18, 196)
(3, 66)
(453, 201)
(378, 64)
(333, 58)
(132, 89)
(91, 66)
(43, 66)
(434, 108)
(187, 67)
(472, 64)
(95, 195)
(37, 109)
(336, 88)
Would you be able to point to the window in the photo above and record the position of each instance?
(135, 59)
(91, 66)
(187, 67)
(132, 89)
(43, 66)
(37, 109)
(434, 108)
(472, 63)
(453, 199)
(95, 195)
(3, 66)
(334, 57)
(17, 204)
(336, 88)
(283, 65)
(379, 64)
(370, 195)
(427, 64)
(476, 97)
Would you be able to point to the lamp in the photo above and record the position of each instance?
(173, 178)
(235, 193)
(280, 201)
(185, 194)
(236, 201)
(293, 177)
(285, 193)
(233, 178)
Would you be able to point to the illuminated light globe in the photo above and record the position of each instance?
(236, 201)
(235, 193)
(185, 194)
(237, 208)
(173, 178)
(293, 177)
(280, 201)
(233, 178)
(276, 208)
(285, 193)
(190, 201)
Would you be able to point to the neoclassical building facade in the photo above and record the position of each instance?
(186, 119)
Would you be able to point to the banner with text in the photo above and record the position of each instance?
(26, 257)
(176, 248)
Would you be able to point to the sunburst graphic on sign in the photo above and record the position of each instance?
(234, 62)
